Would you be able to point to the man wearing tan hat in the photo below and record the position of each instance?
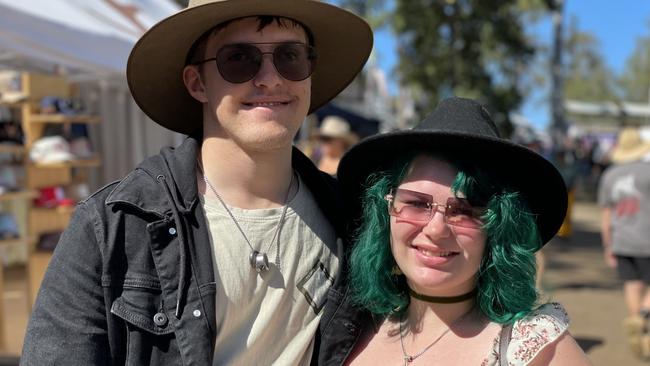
(335, 138)
(624, 195)
(227, 249)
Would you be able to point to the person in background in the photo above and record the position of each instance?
(335, 138)
(227, 249)
(624, 195)
(442, 271)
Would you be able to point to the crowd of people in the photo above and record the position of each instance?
(414, 247)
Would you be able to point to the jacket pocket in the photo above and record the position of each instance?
(140, 304)
(149, 338)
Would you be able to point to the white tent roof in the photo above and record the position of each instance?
(86, 38)
(608, 108)
(90, 40)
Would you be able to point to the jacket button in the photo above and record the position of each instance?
(196, 313)
(350, 327)
(160, 319)
(172, 231)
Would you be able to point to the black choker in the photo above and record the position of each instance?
(443, 299)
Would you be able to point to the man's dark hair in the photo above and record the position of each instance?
(197, 51)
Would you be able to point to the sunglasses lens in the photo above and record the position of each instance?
(238, 63)
(411, 205)
(461, 213)
(294, 61)
(417, 206)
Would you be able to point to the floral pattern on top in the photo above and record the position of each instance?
(531, 334)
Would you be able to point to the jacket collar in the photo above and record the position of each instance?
(178, 165)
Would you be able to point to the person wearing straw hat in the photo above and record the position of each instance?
(624, 195)
(442, 271)
(226, 250)
(335, 139)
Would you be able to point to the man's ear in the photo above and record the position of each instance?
(194, 83)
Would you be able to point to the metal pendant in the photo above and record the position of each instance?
(259, 261)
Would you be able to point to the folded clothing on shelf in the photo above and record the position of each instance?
(81, 148)
(10, 129)
(50, 197)
(10, 87)
(67, 106)
(8, 226)
(48, 241)
(77, 191)
(51, 149)
(12, 96)
(9, 177)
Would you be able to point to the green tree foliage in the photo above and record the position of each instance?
(470, 48)
(635, 79)
(587, 77)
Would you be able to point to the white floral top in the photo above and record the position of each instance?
(531, 334)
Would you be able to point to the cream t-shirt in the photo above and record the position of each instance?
(270, 318)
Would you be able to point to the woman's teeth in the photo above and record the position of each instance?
(429, 253)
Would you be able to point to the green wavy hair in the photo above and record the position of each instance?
(506, 277)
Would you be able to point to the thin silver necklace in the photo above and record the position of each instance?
(259, 261)
(410, 358)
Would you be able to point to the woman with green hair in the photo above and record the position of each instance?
(449, 218)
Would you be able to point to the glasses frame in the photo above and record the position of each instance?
(311, 57)
(433, 207)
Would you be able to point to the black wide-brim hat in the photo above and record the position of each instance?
(462, 128)
(342, 40)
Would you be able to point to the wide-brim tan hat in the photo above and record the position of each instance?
(629, 146)
(337, 128)
(343, 42)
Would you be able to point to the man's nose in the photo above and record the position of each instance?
(267, 75)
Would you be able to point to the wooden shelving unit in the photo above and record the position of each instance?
(36, 221)
(78, 163)
(12, 149)
(62, 118)
(18, 203)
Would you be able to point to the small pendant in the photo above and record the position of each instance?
(407, 359)
(259, 261)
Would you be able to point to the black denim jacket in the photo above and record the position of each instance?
(131, 281)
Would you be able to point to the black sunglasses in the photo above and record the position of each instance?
(239, 63)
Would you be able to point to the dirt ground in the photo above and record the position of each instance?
(577, 277)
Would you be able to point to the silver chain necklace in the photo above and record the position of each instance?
(410, 358)
(259, 261)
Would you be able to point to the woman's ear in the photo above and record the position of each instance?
(194, 83)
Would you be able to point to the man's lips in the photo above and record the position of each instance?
(266, 103)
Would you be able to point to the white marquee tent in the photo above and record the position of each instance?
(89, 41)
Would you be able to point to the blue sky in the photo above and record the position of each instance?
(616, 24)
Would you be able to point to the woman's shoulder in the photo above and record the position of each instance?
(549, 317)
(537, 330)
(552, 313)
(532, 333)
